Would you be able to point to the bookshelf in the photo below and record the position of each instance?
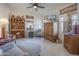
(17, 26)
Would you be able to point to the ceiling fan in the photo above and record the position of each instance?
(35, 6)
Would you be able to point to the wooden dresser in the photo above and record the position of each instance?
(48, 32)
(71, 43)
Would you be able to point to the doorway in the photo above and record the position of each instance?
(61, 29)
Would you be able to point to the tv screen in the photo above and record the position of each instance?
(52, 17)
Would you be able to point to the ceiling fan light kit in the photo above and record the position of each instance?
(35, 6)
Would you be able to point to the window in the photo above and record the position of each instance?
(37, 24)
(29, 23)
(62, 23)
(74, 19)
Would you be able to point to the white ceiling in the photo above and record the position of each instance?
(50, 8)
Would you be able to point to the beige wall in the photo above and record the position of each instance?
(5, 11)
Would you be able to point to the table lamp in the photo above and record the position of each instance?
(3, 23)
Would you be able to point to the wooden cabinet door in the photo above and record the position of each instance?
(50, 28)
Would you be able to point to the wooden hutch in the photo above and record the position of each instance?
(17, 26)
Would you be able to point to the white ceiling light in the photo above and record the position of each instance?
(35, 7)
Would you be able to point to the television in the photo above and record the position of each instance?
(52, 17)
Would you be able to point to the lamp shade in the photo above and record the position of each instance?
(3, 21)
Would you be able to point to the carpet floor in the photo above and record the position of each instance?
(48, 48)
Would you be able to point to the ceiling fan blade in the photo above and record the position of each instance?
(32, 4)
(35, 6)
(41, 7)
(30, 7)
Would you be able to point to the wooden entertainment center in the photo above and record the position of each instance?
(17, 26)
(48, 32)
